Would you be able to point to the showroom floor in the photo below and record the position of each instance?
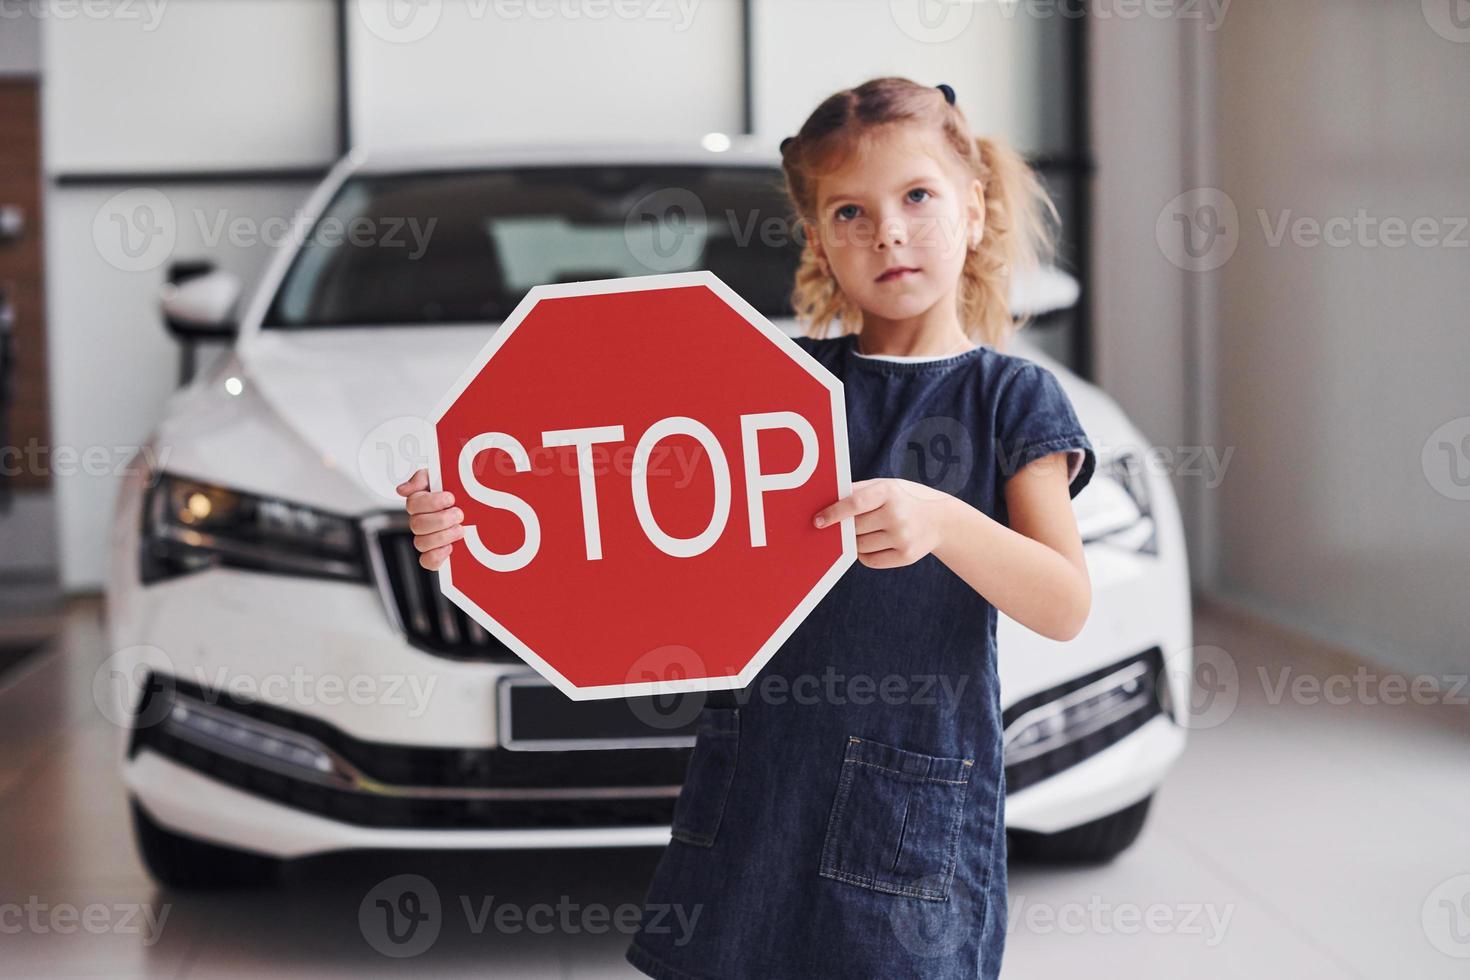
(1298, 838)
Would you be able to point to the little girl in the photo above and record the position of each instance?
(844, 814)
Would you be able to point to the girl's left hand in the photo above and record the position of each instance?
(898, 521)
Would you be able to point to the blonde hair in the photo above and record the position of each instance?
(1018, 236)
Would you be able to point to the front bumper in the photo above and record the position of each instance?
(1113, 779)
(187, 802)
(256, 776)
(1091, 745)
(310, 766)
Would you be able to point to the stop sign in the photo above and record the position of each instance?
(639, 461)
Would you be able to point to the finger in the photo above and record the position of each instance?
(419, 481)
(888, 558)
(428, 542)
(873, 520)
(433, 559)
(875, 541)
(436, 520)
(863, 498)
(425, 501)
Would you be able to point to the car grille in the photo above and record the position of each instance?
(417, 606)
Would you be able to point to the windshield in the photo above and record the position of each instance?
(465, 246)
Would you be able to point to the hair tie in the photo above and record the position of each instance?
(948, 92)
(785, 143)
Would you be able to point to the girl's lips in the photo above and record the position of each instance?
(898, 273)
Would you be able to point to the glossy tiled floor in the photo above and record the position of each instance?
(1296, 839)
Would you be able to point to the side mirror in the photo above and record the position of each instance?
(1046, 289)
(201, 307)
(7, 355)
(7, 386)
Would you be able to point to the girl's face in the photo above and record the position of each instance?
(894, 223)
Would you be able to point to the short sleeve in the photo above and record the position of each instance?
(1034, 418)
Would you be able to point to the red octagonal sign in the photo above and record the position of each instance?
(639, 461)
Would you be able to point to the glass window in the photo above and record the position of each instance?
(465, 246)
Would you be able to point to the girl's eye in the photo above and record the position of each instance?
(844, 214)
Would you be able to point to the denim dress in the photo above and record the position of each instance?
(843, 815)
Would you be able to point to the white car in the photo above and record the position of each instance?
(294, 683)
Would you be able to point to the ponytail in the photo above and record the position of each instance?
(1018, 240)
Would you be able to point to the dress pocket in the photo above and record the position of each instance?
(701, 802)
(895, 821)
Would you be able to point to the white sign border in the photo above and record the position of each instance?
(601, 287)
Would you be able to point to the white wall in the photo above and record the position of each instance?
(465, 71)
(1338, 363)
(804, 50)
(223, 84)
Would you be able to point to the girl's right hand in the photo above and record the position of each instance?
(435, 521)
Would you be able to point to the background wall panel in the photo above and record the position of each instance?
(224, 84)
(465, 72)
(1345, 356)
(804, 50)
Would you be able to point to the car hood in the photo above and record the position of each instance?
(353, 406)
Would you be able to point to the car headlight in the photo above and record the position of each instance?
(189, 526)
(1115, 509)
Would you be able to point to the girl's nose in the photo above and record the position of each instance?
(891, 232)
